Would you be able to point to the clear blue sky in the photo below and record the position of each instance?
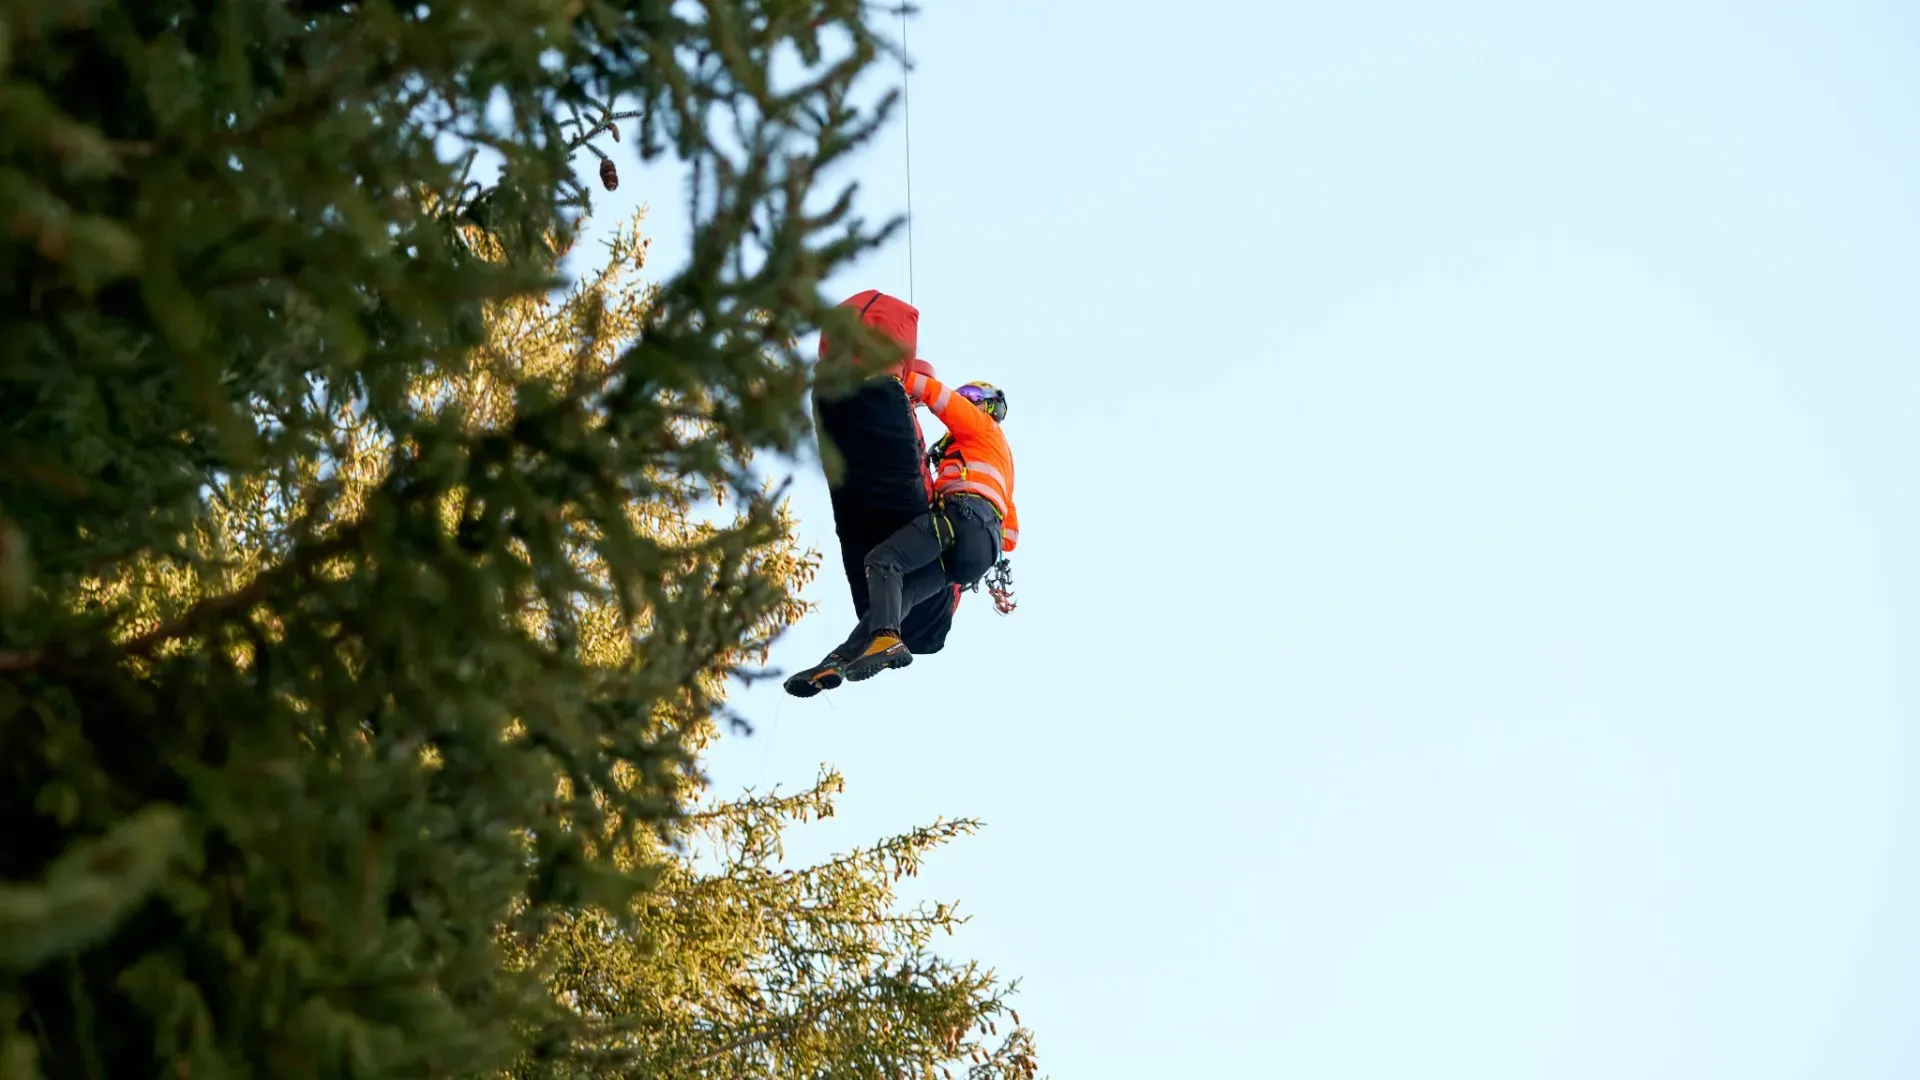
(1467, 466)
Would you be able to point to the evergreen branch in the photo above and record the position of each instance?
(786, 1026)
(22, 660)
(302, 561)
(909, 845)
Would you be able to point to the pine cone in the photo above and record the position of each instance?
(609, 176)
(615, 129)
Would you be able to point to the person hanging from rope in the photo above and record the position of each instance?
(962, 537)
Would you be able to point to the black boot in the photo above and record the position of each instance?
(826, 675)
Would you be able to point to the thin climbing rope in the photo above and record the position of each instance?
(906, 101)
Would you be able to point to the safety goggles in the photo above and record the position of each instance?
(993, 401)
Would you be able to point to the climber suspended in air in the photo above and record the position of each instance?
(916, 527)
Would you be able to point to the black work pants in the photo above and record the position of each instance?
(951, 544)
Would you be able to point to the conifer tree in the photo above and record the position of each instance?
(738, 966)
(301, 716)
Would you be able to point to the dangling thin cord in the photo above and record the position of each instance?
(906, 101)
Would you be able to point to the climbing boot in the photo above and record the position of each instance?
(826, 675)
(885, 651)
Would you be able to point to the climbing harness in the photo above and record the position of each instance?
(999, 579)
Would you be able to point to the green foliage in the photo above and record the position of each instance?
(747, 968)
(88, 890)
(356, 619)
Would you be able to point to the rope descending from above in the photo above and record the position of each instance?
(906, 109)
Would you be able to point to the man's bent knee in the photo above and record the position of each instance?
(885, 562)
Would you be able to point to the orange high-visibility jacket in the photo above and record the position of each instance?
(978, 461)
